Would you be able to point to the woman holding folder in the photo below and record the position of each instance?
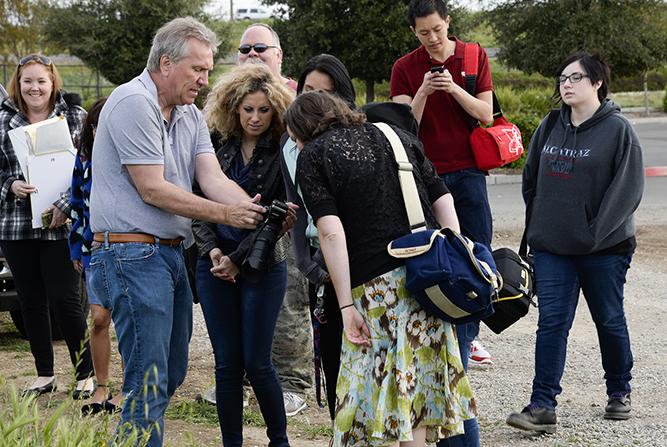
(39, 258)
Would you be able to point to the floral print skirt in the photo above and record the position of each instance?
(410, 377)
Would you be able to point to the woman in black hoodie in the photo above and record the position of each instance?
(582, 182)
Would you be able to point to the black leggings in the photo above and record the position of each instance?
(44, 276)
(331, 334)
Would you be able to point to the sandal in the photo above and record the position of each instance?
(109, 407)
(93, 407)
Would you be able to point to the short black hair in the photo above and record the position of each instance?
(423, 8)
(332, 66)
(595, 67)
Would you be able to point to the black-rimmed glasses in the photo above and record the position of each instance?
(35, 57)
(574, 78)
(258, 47)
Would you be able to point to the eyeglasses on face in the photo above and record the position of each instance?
(574, 78)
(34, 57)
(258, 47)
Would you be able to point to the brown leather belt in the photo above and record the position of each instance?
(115, 238)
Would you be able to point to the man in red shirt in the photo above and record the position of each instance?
(445, 111)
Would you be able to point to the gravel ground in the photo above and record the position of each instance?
(505, 386)
(501, 388)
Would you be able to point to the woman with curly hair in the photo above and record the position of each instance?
(245, 114)
(401, 379)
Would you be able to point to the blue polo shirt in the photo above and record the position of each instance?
(132, 131)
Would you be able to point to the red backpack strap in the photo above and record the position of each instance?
(470, 66)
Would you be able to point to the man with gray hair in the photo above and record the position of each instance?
(151, 143)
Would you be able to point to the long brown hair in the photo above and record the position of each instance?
(313, 113)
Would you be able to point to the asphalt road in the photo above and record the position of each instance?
(507, 204)
(653, 136)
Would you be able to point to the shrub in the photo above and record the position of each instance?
(664, 101)
(22, 424)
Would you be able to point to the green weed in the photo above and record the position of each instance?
(22, 425)
(194, 412)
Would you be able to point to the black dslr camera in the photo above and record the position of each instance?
(265, 238)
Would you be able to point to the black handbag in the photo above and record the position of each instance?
(516, 296)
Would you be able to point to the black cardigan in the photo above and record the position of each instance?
(265, 178)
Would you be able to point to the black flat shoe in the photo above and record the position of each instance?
(38, 391)
(92, 408)
(111, 408)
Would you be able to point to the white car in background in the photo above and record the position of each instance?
(251, 14)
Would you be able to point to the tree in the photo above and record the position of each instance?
(536, 35)
(114, 36)
(20, 26)
(368, 36)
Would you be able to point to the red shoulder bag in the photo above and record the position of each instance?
(499, 144)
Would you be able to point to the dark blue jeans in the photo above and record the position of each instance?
(559, 279)
(241, 318)
(471, 200)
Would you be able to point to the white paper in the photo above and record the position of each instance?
(52, 175)
(21, 149)
(49, 136)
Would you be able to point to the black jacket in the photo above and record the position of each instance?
(265, 179)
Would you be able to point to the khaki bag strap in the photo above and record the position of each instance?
(406, 178)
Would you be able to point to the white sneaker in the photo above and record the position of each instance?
(479, 356)
(294, 403)
(209, 396)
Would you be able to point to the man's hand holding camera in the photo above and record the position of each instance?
(246, 214)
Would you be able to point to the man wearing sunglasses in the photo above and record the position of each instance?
(292, 340)
(260, 43)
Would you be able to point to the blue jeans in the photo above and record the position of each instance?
(241, 318)
(148, 289)
(559, 279)
(471, 201)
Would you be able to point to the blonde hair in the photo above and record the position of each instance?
(14, 85)
(222, 103)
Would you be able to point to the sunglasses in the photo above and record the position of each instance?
(258, 47)
(35, 57)
(574, 78)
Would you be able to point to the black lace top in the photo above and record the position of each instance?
(352, 173)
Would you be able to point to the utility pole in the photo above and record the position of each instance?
(231, 10)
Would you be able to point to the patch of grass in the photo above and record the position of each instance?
(12, 342)
(194, 412)
(317, 431)
(22, 424)
(252, 417)
(636, 99)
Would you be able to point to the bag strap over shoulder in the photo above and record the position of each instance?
(469, 74)
(406, 178)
